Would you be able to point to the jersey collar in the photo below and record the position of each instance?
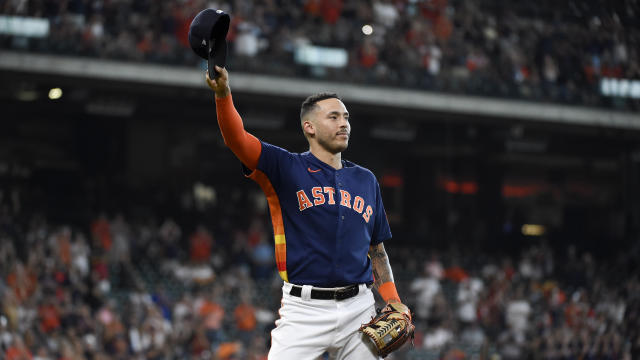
(317, 162)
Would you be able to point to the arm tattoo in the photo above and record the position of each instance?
(380, 265)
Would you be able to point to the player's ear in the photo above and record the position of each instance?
(308, 128)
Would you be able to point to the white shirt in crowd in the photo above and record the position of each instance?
(426, 289)
(518, 315)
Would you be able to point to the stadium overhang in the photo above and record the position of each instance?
(174, 76)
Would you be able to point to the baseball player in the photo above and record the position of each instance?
(329, 225)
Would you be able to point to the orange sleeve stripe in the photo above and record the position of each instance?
(276, 219)
(244, 145)
(388, 291)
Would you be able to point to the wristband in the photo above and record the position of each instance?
(388, 292)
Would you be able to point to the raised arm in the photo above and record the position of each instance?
(245, 146)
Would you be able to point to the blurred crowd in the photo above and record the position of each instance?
(549, 50)
(119, 291)
(129, 289)
(529, 306)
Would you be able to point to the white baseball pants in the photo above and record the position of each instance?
(308, 328)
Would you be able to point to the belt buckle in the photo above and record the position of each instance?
(340, 294)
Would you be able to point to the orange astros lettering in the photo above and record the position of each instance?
(326, 195)
(329, 190)
(318, 197)
(358, 204)
(345, 198)
(303, 200)
(367, 213)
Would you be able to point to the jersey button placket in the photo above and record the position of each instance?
(340, 220)
(338, 187)
(339, 198)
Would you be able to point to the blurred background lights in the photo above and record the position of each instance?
(533, 230)
(55, 93)
(367, 29)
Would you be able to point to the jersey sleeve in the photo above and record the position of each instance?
(381, 229)
(274, 162)
(245, 146)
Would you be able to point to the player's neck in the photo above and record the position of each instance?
(329, 158)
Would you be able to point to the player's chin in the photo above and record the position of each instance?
(336, 147)
(342, 146)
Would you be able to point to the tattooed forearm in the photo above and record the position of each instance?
(380, 265)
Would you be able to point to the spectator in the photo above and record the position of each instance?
(18, 351)
(80, 255)
(200, 246)
(247, 41)
(385, 13)
(170, 234)
(122, 236)
(368, 55)
(101, 232)
(262, 258)
(468, 296)
(49, 314)
(438, 337)
(518, 311)
(473, 335)
(22, 281)
(212, 313)
(455, 273)
(245, 318)
(426, 287)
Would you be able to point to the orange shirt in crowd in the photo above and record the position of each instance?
(64, 249)
(102, 232)
(201, 243)
(213, 315)
(228, 349)
(245, 317)
(368, 55)
(18, 353)
(574, 315)
(456, 274)
(331, 10)
(49, 318)
(312, 7)
(23, 285)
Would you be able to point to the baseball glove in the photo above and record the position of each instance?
(390, 329)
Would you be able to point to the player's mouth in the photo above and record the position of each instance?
(343, 134)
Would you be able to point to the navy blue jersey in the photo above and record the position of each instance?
(324, 220)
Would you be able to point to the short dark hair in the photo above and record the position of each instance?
(310, 103)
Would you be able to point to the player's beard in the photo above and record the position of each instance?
(332, 145)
